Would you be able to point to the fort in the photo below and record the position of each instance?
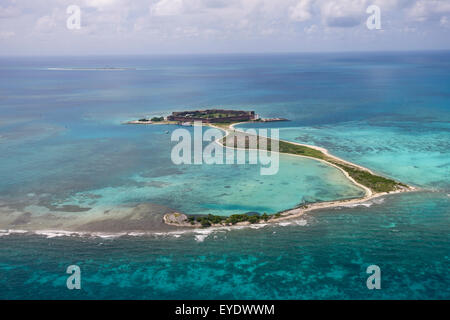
(213, 116)
(216, 116)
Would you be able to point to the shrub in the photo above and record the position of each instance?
(253, 219)
(205, 223)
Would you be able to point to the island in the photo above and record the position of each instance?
(374, 185)
(209, 116)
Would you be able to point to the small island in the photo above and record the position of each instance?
(374, 185)
(209, 116)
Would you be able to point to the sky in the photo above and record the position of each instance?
(220, 26)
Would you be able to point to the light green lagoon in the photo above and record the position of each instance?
(226, 190)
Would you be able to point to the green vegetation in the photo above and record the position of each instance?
(210, 219)
(214, 114)
(374, 182)
(286, 147)
(157, 119)
(223, 125)
(283, 147)
(217, 115)
(143, 120)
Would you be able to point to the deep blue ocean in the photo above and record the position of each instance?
(65, 156)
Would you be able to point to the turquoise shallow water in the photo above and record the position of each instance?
(61, 143)
(101, 170)
(224, 190)
(414, 152)
(404, 236)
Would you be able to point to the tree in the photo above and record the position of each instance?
(205, 223)
(253, 219)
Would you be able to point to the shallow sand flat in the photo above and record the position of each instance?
(231, 131)
(144, 217)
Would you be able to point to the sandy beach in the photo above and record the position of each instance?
(296, 212)
(148, 218)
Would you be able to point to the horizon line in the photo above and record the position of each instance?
(222, 53)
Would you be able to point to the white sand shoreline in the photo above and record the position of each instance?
(288, 214)
(297, 212)
(186, 227)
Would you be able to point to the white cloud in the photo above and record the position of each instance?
(268, 31)
(301, 12)
(46, 24)
(385, 4)
(424, 10)
(167, 8)
(7, 34)
(9, 12)
(311, 29)
(102, 4)
(232, 21)
(343, 13)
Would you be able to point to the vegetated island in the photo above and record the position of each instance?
(374, 185)
(209, 116)
(89, 69)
